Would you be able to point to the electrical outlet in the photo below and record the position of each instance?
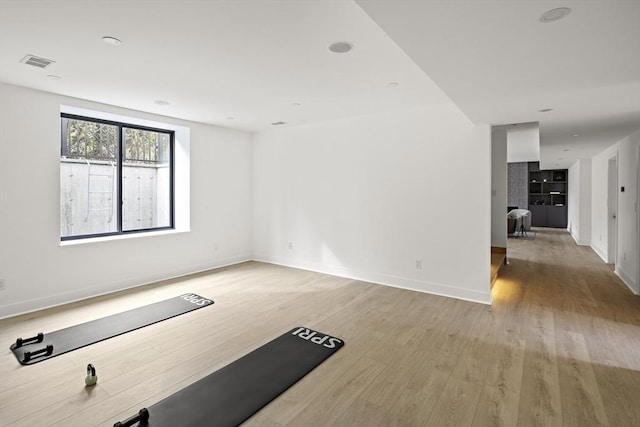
(1, 284)
(418, 264)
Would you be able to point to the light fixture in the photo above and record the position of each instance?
(111, 40)
(545, 110)
(393, 84)
(53, 77)
(340, 47)
(161, 102)
(575, 135)
(554, 14)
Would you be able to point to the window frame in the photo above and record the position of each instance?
(120, 160)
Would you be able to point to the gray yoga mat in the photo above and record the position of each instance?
(231, 395)
(45, 346)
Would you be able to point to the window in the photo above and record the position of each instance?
(115, 178)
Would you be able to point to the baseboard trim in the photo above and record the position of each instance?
(627, 280)
(37, 304)
(599, 252)
(385, 279)
(580, 241)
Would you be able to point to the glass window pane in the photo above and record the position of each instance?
(88, 178)
(146, 180)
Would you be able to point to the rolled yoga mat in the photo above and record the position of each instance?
(231, 395)
(45, 346)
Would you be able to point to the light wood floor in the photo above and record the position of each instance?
(559, 346)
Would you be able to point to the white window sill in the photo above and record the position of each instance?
(120, 237)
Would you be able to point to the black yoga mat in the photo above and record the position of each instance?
(45, 346)
(234, 393)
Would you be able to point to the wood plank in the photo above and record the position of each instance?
(581, 398)
(540, 403)
(559, 346)
(456, 405)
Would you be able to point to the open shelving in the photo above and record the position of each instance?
(547, 196)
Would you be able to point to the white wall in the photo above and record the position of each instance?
(579, 201)
(573, 200)
(626, 265)
(523, 142)
(499, 187)
(599, 198)
(367, 197)
(39, 272)
(627, 248)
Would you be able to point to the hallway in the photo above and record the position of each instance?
(582, 330)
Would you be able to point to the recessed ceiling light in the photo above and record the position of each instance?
(111, 40)
(393, 84)
(278, 123)
(554, 14)
(161, 102)
(53, 77)
(340, 47)
(545, 110)
(575, 135)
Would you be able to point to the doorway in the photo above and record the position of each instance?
(612, 211)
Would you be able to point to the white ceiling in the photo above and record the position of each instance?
(500, 65)
(253, 59)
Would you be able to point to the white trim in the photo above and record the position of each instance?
(627, 280)
(600, 252)
(386, 280)
(120, 237)
(38, 304)
(580, 241)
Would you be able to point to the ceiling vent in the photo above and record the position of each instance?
(36, 61)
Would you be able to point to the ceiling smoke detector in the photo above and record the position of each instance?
(36, 61)
(554, 15)
(340, 47)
